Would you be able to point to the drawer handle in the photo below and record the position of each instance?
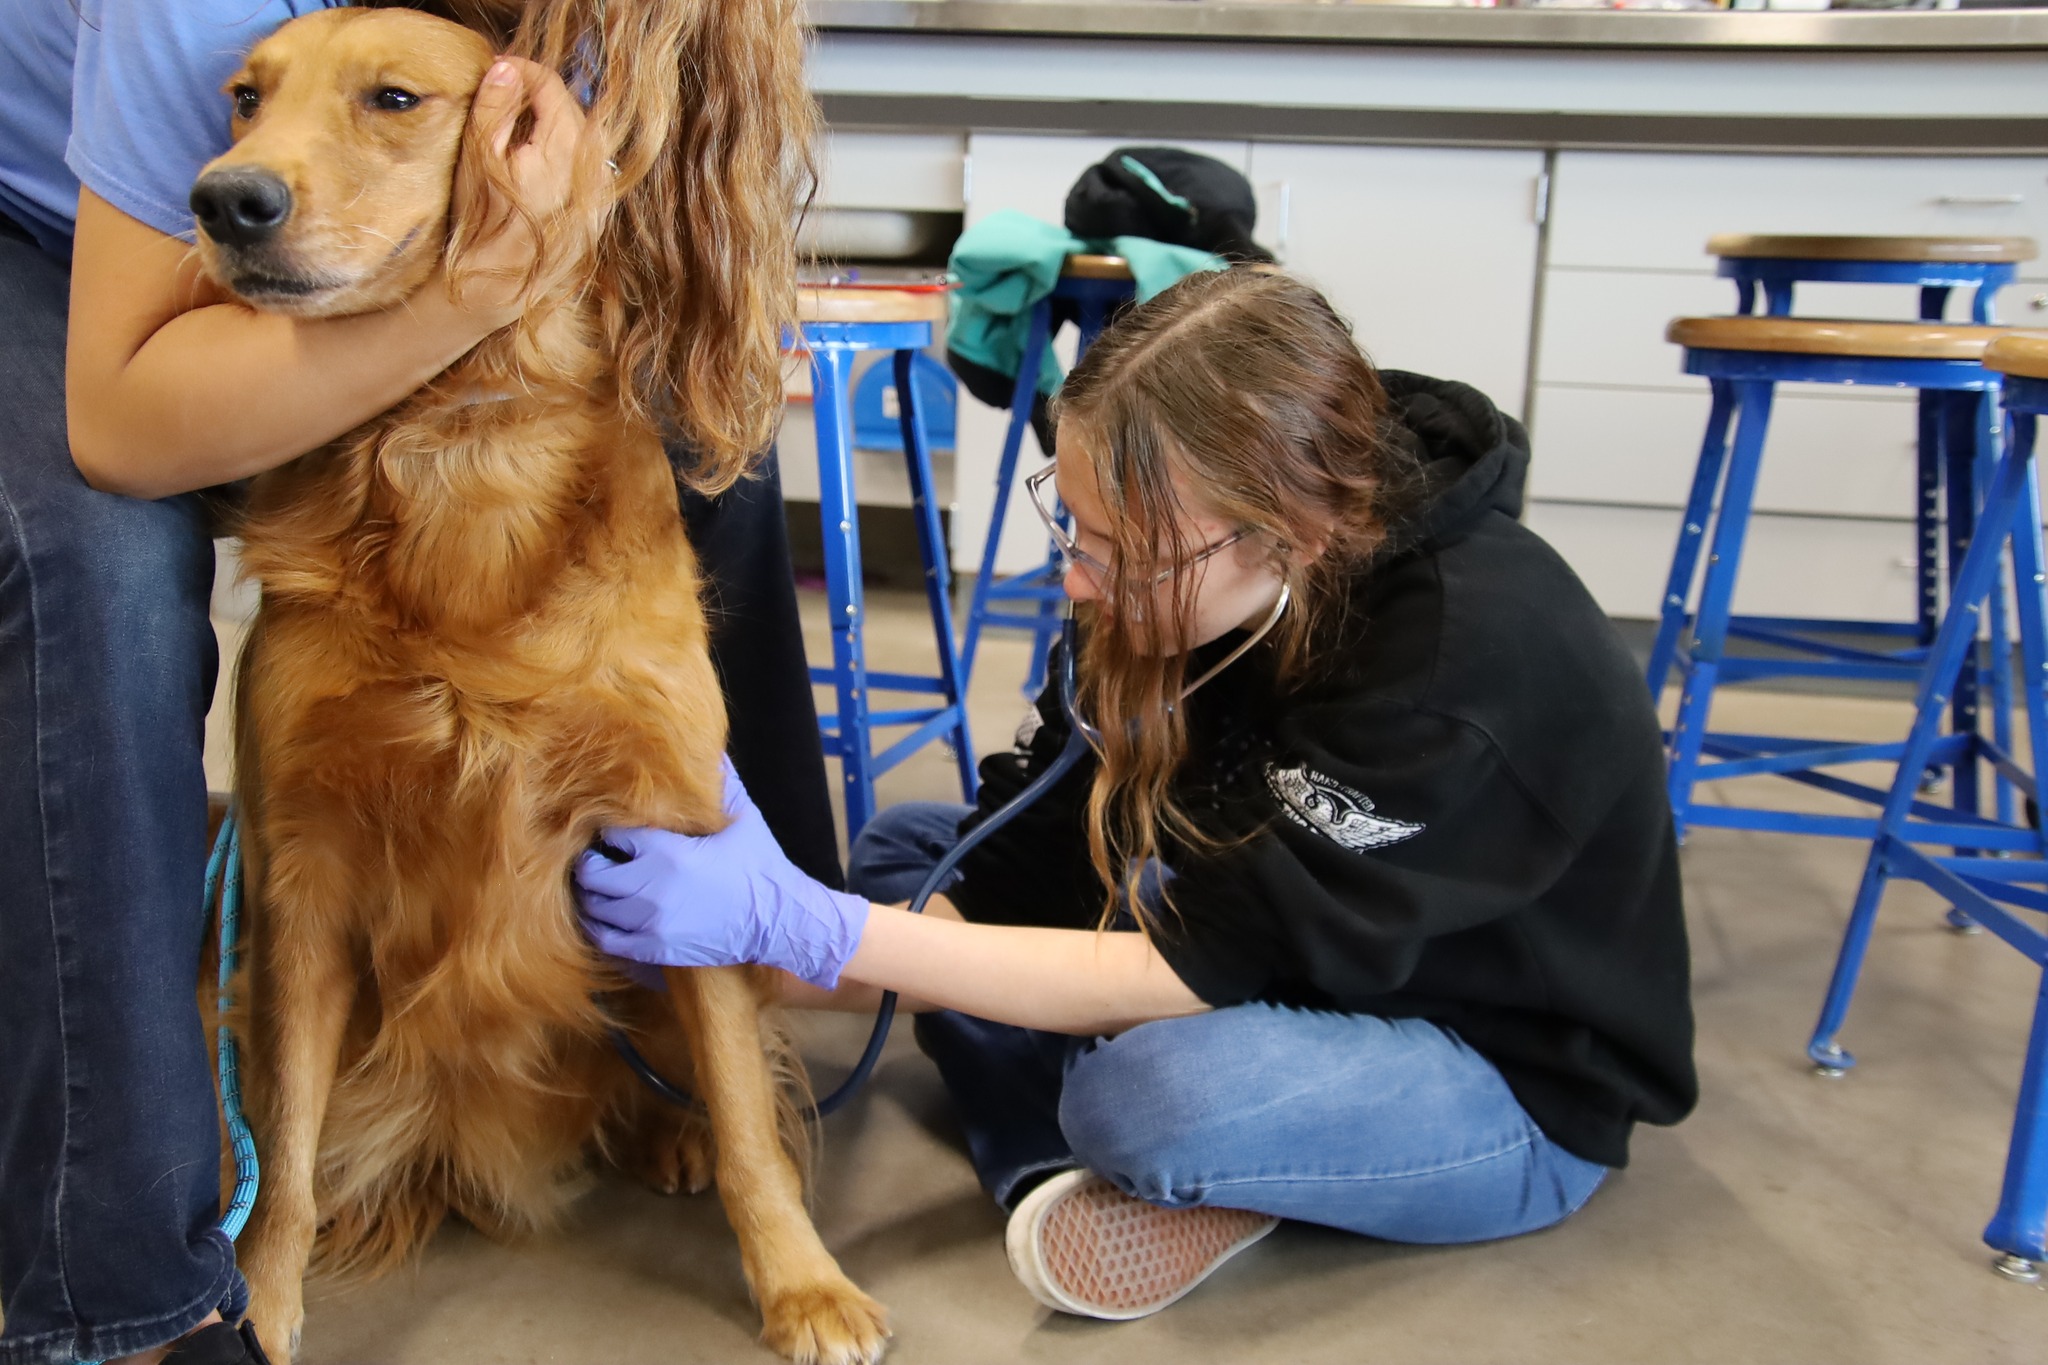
(1980, 201)
(2039, 303)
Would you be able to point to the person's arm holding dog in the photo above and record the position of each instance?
(171, 388)
(731, 897)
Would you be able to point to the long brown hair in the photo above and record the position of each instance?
(702, 108)
(1242, 395)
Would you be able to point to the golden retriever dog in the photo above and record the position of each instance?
(480, 641)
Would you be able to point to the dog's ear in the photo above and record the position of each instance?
(702, 154)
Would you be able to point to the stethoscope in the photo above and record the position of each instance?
(1082, 736)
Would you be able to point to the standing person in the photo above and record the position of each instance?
(1411, 960)
(130, 388)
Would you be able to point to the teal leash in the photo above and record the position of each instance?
(224, 885)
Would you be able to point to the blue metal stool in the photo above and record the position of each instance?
(1745, 358)
(1031, 600)
(1990, 891)
(838, 323)
(878, 420)
(1776, 263)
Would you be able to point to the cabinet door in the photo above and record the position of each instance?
(1431, 252)
(906, 171)
(1655, 210)
(1848, 568)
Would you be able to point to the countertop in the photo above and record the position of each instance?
(1440, 26)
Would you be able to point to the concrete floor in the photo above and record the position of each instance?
(1790, 1219)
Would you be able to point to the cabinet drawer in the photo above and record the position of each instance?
(1652, 211)
(1607, 327)
(1032, 173)
(1845, 452)
(1791, 566)
(916, 171)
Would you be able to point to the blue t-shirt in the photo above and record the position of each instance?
(122, 96)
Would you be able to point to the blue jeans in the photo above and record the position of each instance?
(109, 1139)
(109, 1143)
(1392, 1128)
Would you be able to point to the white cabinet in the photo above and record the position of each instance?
(1845, 567)
(883, 170)
(1827, 454)
(1617, 424)
(1431, 252)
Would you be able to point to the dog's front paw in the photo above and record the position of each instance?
(826, 1324)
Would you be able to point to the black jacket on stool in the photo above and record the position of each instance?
(1460, 817)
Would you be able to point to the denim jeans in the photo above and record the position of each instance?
(1392, 1128)
(109, 1143)
(109, 1139)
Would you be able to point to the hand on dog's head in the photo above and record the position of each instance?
(349, 126)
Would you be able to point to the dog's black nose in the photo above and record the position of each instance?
(241, 207)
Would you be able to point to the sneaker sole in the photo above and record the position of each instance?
(1082, 1246)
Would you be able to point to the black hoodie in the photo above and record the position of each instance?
(1461, 817)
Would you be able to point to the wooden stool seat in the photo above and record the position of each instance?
(848, 303)
(1835, 336)
(2021, 353)
(1080, 267)
(1958, 250)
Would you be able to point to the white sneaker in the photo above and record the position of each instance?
(1081, 1245)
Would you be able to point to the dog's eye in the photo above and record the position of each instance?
(392, 100)
(246, 100)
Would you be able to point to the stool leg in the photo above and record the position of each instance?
(2019, 1229)
(1826, 1052)
(1717, 593)
(2001, 643)
(2030, 596)
(832, 368)
(1980, 302)
(1946, 662)
(2016, 1229)
(1699, 508)
(1927, 519)
(931, 543)
(1042, 636)
(1093, 314)
(1021, 399)
(1960, 414)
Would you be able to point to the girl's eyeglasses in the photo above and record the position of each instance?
(1045, 498)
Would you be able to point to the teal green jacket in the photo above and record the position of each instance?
(1009, 261)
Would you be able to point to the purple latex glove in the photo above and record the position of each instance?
(717, 900)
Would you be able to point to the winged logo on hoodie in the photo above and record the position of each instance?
(1339, 813)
